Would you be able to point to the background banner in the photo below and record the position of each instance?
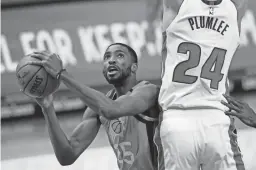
(79, 32)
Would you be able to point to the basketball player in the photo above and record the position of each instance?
(200, 38)
(128, 113)
(241, 110)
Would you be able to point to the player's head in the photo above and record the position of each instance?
(120, 63)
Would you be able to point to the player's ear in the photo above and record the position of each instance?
(134, 67)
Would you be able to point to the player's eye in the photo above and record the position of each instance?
(120, 55)
(106, 57)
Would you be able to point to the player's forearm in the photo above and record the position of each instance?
(61, 145)
(94, 99)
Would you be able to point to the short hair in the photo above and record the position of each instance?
(130, 50)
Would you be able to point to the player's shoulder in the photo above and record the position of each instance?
(145, 85)
(145, 89)
(151, 91)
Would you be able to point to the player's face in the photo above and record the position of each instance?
(117, 64)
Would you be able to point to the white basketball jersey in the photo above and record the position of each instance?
(199, 43)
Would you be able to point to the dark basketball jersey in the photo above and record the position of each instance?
(131, 137)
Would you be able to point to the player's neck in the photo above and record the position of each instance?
(126, 86)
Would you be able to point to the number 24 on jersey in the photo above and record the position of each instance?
(211, 69)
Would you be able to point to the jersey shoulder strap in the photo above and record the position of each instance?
(112, 94)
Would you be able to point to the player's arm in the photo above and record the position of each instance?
(68, 149)
(240, 3)
(241, 6)
(241, 110)
(141, 99)
(170, 11)
(153, 10)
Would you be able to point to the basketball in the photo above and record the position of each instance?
(33, 80)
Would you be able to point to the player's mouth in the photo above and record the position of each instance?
(112, 70)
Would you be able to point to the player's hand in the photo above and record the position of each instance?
(241, 110)
(50, 61)
(45, 102)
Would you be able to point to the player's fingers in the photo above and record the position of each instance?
(46, 52)
(30, 54)
(240, 103)
(237, 103)
(230, 106)
(234, 101)
(40, 63)
(37, 57)
(227, 97)
(42, 52)
(40, 55)
(230, 113)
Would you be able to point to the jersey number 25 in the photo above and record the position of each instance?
(216, 60)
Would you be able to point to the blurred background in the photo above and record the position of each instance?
(80, 30)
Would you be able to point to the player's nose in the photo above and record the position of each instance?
(112, 61)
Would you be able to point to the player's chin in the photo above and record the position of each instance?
(114, 79)
(113, 76)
